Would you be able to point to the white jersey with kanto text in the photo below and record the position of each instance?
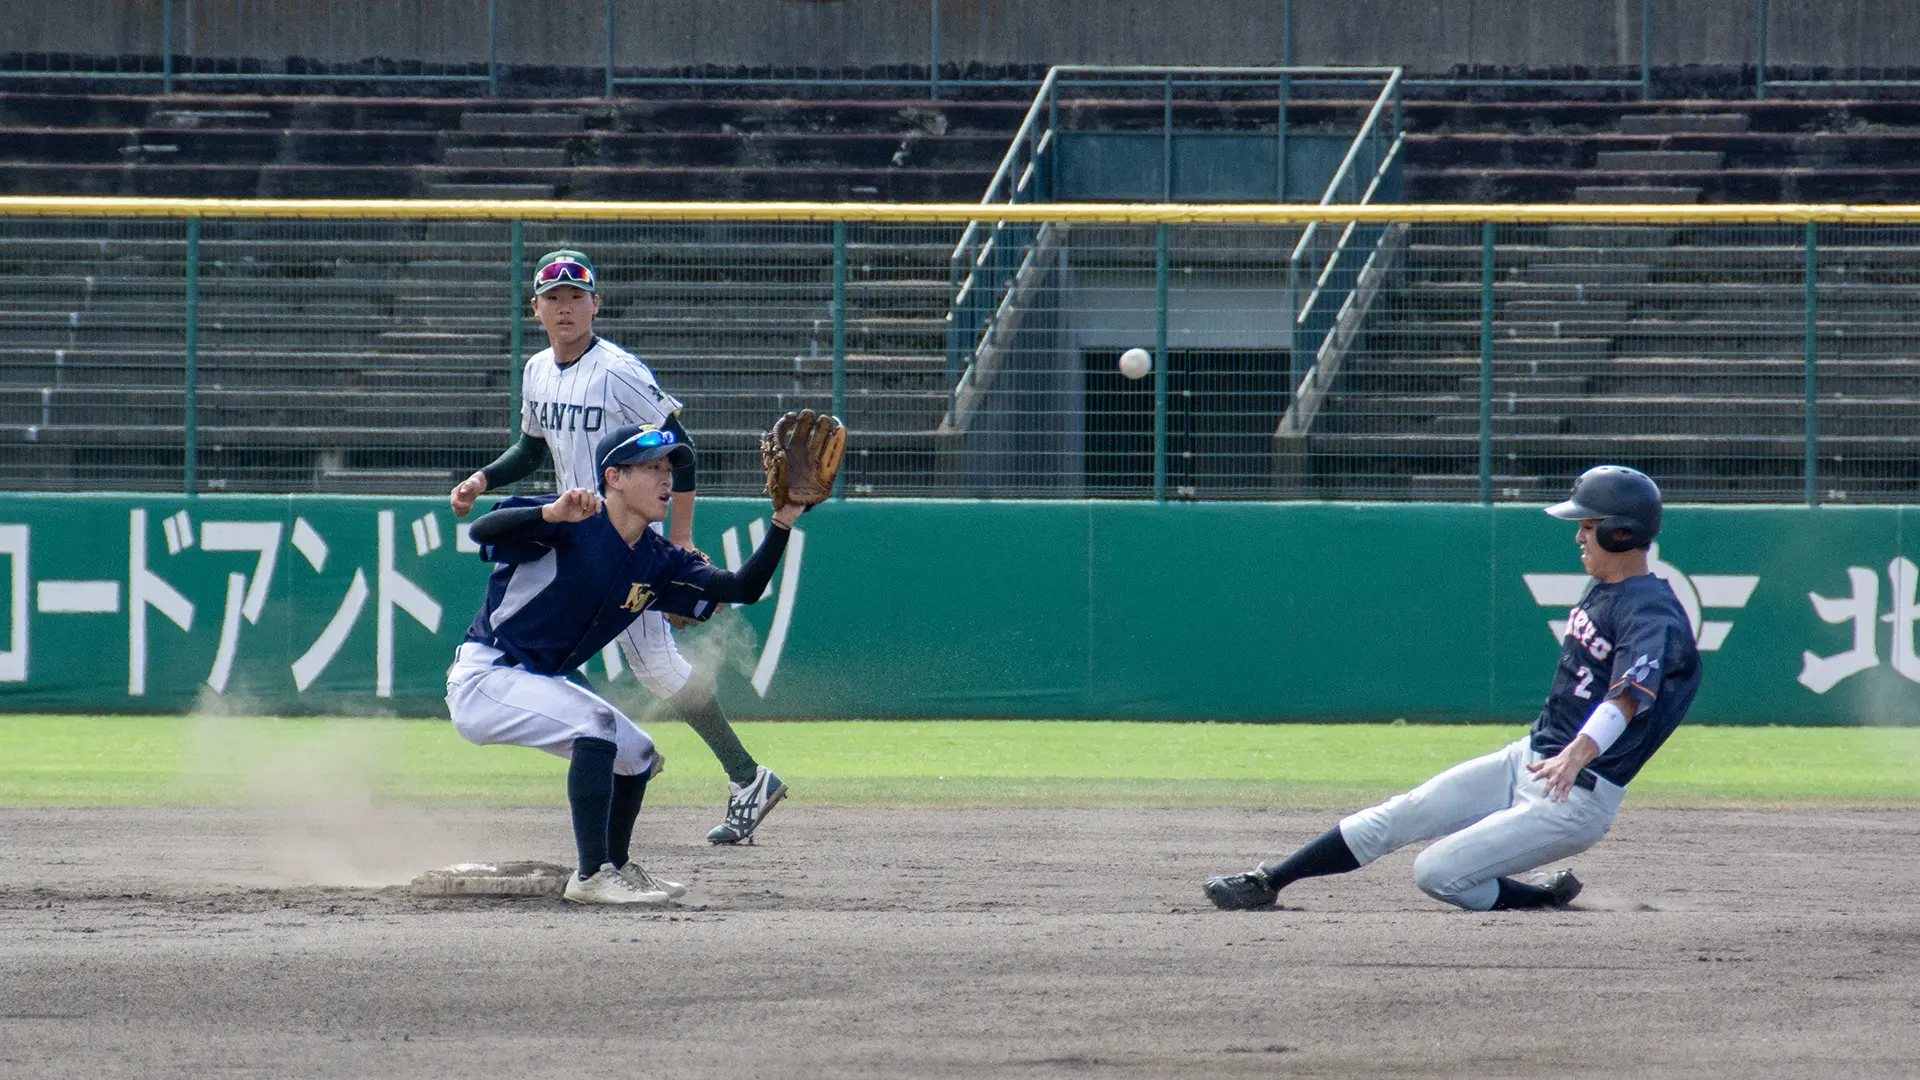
(572, 407)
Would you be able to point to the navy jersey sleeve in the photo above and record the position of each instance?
(1643, 655)
(523, 540)
(681, 588)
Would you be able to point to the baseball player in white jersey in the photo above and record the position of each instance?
(574, 391)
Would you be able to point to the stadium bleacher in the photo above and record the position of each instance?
(320, 353)
(343, 363)
(1681, 349)
(692, 148)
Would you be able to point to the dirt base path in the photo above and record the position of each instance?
(908, 943)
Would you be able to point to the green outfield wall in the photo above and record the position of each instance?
(969, 609)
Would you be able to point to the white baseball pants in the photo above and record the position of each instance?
(655, 659)
(493, 705)
(1492, 818)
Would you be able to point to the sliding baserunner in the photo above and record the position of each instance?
(1628, 671)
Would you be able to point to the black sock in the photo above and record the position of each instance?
(628, 791)
(1329, 854)
(1515, 895)
(698, 706)
(590, 792)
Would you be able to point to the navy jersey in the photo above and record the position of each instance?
(561, 592)
(1626, 639)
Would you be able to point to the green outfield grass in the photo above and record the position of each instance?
(150, 761)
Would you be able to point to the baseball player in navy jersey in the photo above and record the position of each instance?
(573, 571)
(576, 390)
(1628, 670)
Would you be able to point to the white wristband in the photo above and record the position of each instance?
(1605, 725)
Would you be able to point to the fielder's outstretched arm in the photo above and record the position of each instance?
(521, 524)
(749, 583)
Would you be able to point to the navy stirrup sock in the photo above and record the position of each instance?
(698, 706)
(628, 791)
(590, 792)
(1517, 895)
(1327, 854)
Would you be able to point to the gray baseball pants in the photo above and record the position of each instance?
(1488, 818)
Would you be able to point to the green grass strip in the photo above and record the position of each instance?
(164, 761)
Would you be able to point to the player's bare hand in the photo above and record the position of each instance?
(575, 504)
(465, 492)
(1559, 771)
(788, 514)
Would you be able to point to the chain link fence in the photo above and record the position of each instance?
(1448, 360)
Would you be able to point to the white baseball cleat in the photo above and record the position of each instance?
(610, 886)
(747, 806)
(648, 883)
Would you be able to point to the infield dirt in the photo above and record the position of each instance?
(971, 943)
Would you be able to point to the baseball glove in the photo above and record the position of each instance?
(801, 456)
(681, 622)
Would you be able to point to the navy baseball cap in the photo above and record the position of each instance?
(563, 267)
(635, 444)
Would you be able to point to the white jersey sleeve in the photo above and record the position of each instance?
(634, 396)
(529, 420)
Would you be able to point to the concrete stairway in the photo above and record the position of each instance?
(491, 144)
(1661, 161)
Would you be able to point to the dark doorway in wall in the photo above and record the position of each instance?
(1222, 408)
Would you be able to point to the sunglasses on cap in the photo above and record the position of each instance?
(564, 271)
(643, 441)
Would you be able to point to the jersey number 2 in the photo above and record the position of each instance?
(1586, 680)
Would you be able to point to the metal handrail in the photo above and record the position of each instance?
(1326, 272)
(1006, 161)
(1346, 163)
(978, 269)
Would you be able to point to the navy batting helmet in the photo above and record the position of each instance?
(1626, 501)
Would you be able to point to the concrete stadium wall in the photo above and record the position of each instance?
(1425, 35)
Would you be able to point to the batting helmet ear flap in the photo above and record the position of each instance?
(1609, 530)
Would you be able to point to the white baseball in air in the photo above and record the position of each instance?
(1135, 363)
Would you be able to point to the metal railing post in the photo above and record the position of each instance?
(956, 331)
(1280, 149)
(1160, 363)
(166, 47)
(1166, 145)
(516, 315)
(493, 47)
(1646, 50)
(839, 337)
(1486, 362)
(609, 93)
(1295, 369)
(1286, 95)
(191, 422)
(933, 53)
(1812, 467)
(1760, 49)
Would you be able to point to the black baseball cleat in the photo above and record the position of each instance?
(1242, 892)
(1563, 885)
